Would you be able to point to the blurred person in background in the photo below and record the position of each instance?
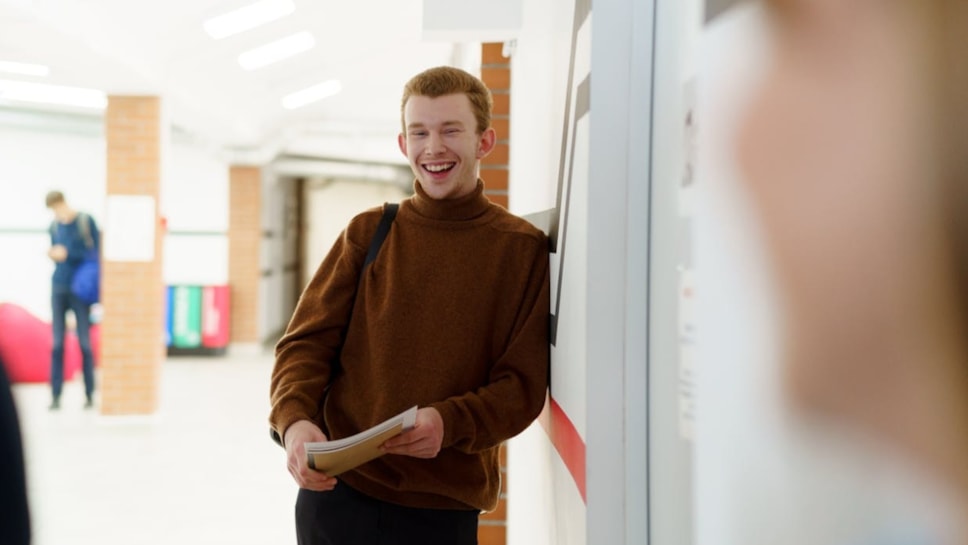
(855, 149)
(74, 240)
(14, 509)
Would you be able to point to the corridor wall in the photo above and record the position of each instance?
(598, 136)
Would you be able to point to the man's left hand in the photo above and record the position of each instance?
(421, 441)
(58, 252)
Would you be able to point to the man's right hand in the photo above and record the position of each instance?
(295, 439)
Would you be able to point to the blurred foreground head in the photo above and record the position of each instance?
(856, 156)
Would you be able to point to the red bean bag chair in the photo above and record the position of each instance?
(26, 342)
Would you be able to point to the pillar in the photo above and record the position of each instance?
(132, 286)
(245, 247)
(496, 74)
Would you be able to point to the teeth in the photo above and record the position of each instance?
(438, 168)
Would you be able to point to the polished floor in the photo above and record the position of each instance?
(202, 470)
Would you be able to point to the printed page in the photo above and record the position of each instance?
(335, 457)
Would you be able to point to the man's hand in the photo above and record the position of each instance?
(423, 440)
(57, 252)
(297, 435)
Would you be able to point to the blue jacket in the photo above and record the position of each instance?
(72, 236)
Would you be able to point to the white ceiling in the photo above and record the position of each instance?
(158, 47)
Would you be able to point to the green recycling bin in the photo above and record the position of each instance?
(186, 317)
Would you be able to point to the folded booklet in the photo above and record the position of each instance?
(335, 457)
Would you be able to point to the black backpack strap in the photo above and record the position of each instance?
(389, 212)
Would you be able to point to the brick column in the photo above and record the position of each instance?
(245, 239)
(496, 74)
(132, 292)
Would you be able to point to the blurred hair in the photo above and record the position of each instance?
(54, 197)
(447, 80)
(947, 36)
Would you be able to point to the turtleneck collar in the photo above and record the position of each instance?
(468, 207)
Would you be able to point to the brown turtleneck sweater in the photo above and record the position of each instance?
(453, 314)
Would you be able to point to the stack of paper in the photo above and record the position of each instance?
(335, 457)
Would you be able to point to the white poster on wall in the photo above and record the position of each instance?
(129, 228)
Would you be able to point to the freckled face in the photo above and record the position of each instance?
(442, 144)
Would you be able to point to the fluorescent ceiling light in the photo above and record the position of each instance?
(277, 51)
(52, 94)
(247, 17)
(24, 68)
(311, 94)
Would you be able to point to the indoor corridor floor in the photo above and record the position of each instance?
(202, 470)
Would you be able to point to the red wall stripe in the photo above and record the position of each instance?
(569, 444)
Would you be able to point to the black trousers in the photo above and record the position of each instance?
(344, 516)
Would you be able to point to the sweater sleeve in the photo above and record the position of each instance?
(517, 383)
(306, 354)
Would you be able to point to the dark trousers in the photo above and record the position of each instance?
(61, 299)
(344, 516)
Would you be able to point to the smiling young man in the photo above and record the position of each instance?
(452, 316)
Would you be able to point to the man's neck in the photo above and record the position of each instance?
(66, 215)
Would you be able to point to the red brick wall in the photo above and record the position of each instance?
(245, 242)
(492, 529)
(496, 74)
(132, 293)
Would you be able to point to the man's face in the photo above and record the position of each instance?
(60, 211)
(442, 144)
(835, 148)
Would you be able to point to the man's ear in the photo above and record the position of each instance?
(486, 142)
(402, 142)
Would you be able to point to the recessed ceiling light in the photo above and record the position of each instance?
(24, 68)
(311, 94)
(43, 93)
(277, 51)
(247, 17)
